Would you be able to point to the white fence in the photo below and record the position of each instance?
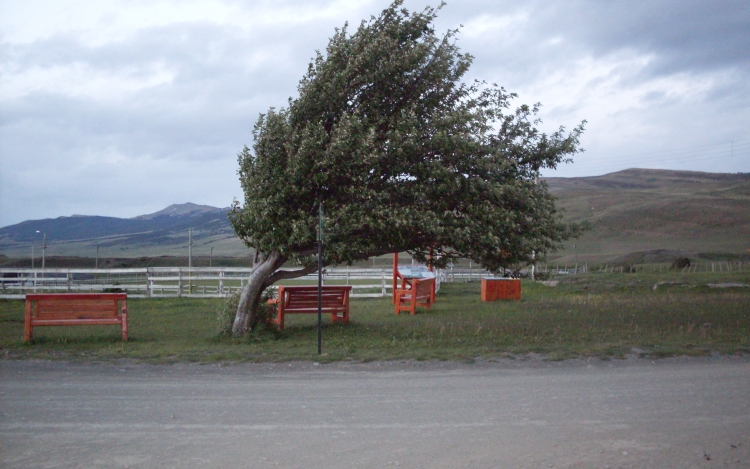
(196, 282)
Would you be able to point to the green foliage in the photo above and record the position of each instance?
(681, 263)
(225, 315)
(403, 155)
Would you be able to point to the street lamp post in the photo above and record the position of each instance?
(44, 247)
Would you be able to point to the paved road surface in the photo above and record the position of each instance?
(672, 413)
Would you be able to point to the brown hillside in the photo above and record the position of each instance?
(645, 210)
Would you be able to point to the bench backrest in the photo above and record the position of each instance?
(75, 306)
(303, 297)
(423, 287)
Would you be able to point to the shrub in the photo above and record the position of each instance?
(225, 316)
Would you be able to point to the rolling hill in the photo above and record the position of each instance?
(164, 233)
(636, 215)
(646, 215)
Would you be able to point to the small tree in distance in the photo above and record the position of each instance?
(404, 157)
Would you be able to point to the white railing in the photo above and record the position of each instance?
(195, 282)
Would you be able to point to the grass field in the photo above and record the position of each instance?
(598, 314)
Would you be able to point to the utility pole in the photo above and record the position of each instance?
(44, 247)
(97, 256)
(211, 258)
(32, 256)
(190, 261)
(190, 248)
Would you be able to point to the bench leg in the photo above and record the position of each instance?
(398, 303)
(27, 328)
(280, 319)
(124, 324)
(344, 318)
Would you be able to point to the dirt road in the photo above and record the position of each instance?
(669, 413)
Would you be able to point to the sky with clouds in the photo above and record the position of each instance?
(121, 108)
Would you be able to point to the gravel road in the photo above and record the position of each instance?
(634, 413)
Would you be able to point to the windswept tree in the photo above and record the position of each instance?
(403, 155)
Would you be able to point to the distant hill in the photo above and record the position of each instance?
(162, 233)
(647, 215)
(637, 215)
(178, 210)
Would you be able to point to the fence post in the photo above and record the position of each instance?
(179, 282)
(69, 278)
(382, 280)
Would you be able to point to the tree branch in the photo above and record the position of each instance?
(287, 274)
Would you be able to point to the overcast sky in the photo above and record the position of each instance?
(122, 108)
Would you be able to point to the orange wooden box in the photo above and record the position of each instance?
(501, 289)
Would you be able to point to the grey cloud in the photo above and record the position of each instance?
(682, 36)
(225, 76)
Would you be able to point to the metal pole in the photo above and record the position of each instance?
(190, 261)
(395, 278)
(211, 258)
(44, 248)
(97, 256)
(32, 256)
(320, 279)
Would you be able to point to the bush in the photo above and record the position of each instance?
(225, 316)
(681, 263)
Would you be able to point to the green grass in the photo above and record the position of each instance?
(604, 315)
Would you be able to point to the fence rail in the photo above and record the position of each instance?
(213, 282)
(195, 282)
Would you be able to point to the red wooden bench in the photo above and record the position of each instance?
(73, 309)
(421, 293)
(304, 300)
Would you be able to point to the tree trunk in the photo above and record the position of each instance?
(247, 309)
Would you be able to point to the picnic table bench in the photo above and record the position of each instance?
(76, 309)
(421, 293)
(304, 300)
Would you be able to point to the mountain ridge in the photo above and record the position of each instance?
(634, 210)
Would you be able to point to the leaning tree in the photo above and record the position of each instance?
(403, 155)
